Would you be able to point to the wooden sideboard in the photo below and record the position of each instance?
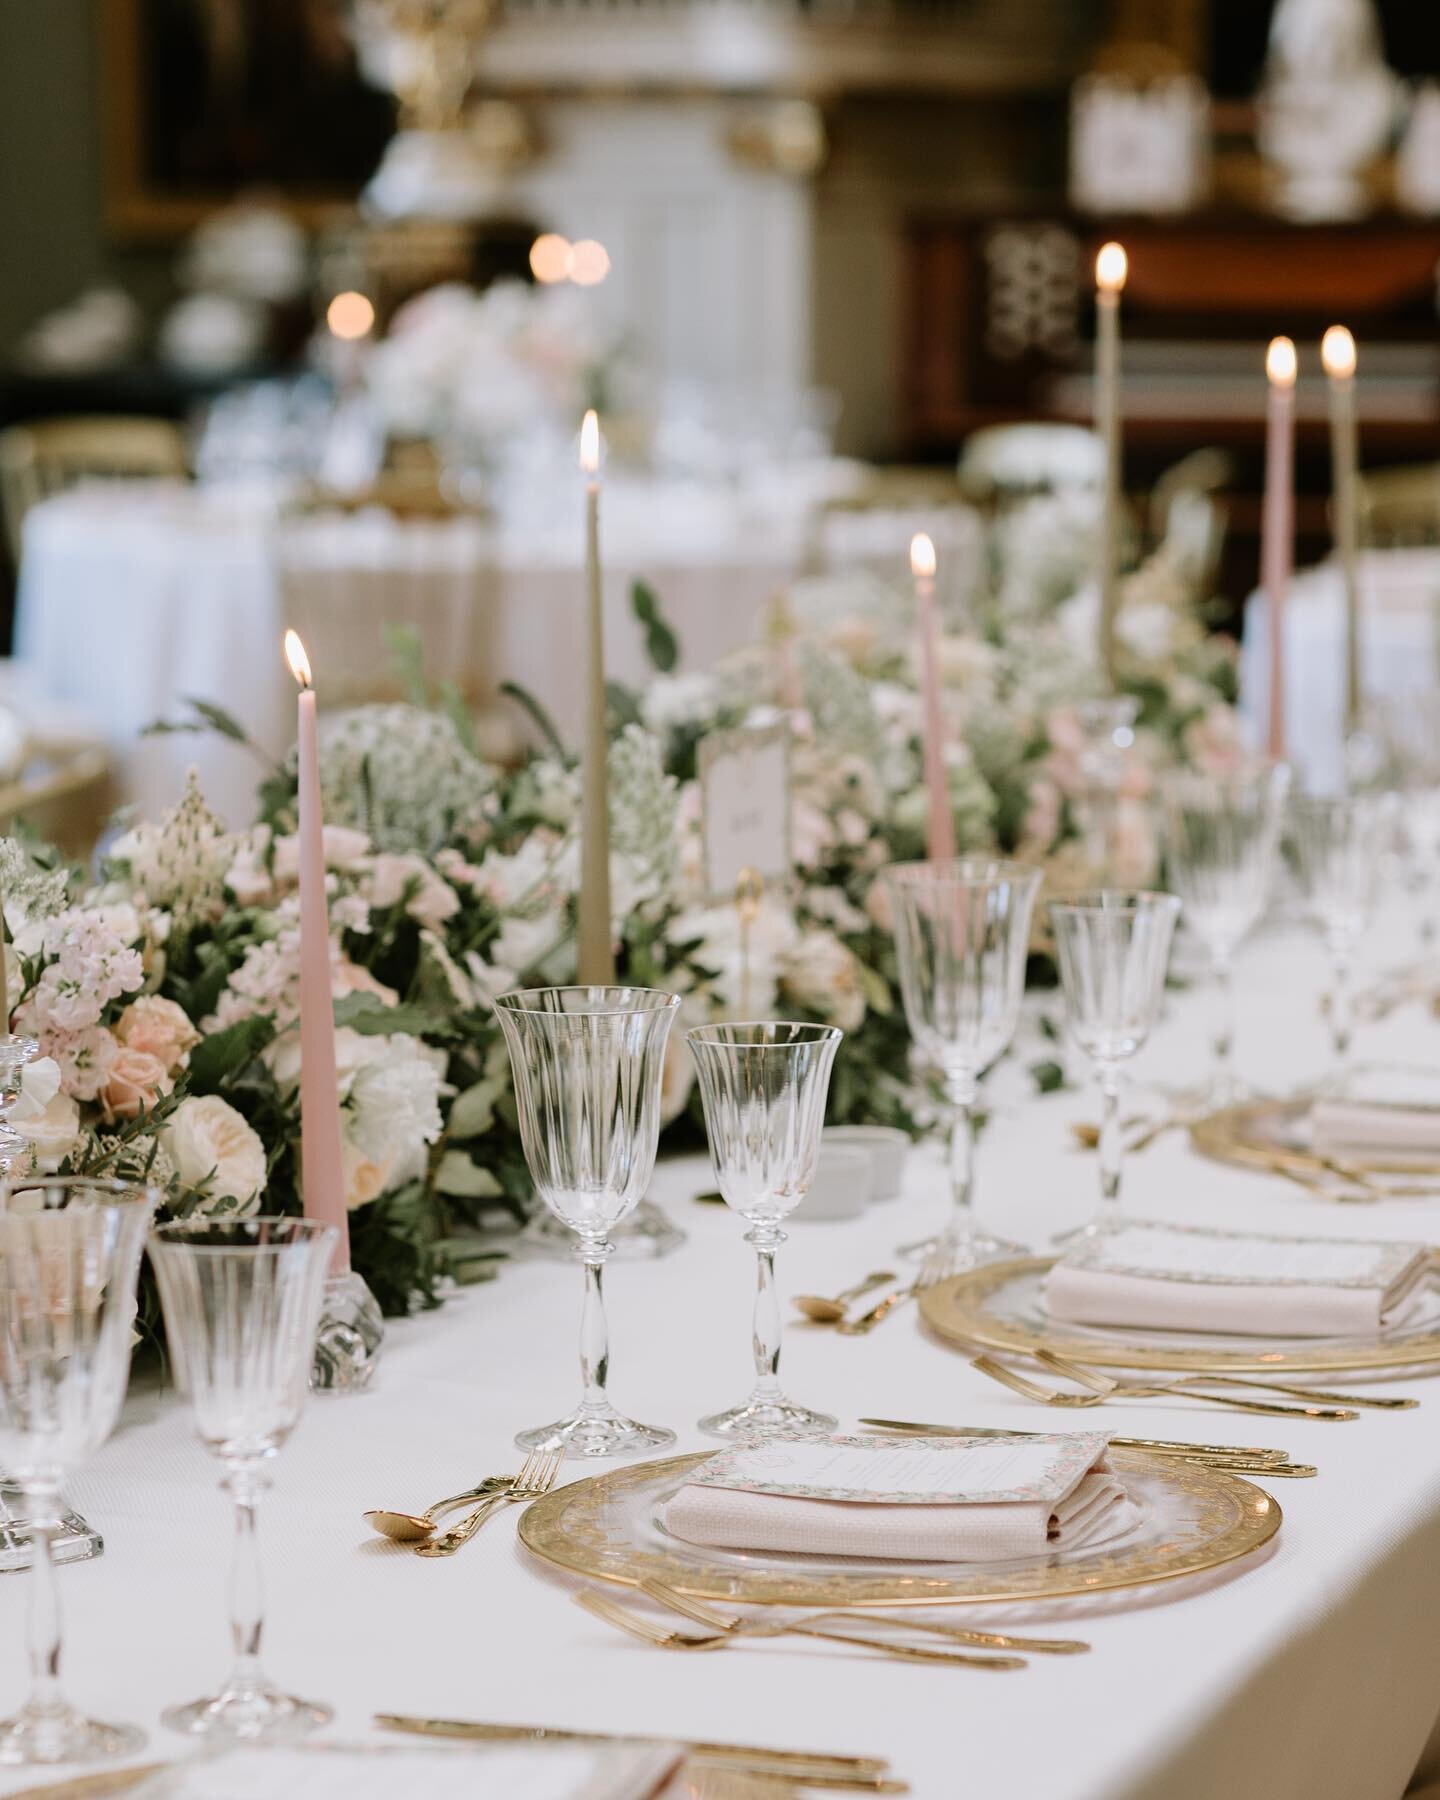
(1000, 319)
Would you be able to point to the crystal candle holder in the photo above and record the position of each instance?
(75, 1541)
(350, 1338)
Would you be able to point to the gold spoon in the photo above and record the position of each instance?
(411, 1528)
(830, 1312)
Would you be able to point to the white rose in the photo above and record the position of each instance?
(53, 1132)
(210, 1141)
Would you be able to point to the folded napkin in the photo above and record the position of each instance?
(964, 1500)
(1187, 1278)
(1340, 1125)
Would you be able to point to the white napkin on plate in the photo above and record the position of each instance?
(1382, 1108)
(976, 1500)
(1158, 1277)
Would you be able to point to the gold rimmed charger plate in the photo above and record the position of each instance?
(1198, 1519)
(996, 1307)
(1267, 1135)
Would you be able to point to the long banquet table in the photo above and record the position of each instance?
(1310, 1673)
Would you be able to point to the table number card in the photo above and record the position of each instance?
(745, 807)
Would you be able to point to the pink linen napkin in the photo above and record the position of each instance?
(1185, 1278)
(956, 1529)
(1340, 1125)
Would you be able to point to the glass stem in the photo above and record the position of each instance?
(245, 1484)
(1112, 1143)
(1223, 1043)
(594, 1333)
(963, 1089)
(46, 1701)
(766, 1329)
(1341, 1020)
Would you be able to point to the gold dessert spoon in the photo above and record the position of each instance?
(411, 1528)
(829, 1312)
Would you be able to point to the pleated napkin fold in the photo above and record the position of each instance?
(1064, 1511)
(1185, 1278)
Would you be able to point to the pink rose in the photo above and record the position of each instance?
(158, 1027)
(134, 1080)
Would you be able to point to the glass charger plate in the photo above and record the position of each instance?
(1275, 1135)
(1187, 1519)
(1001, 1307)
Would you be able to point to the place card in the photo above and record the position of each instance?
(745, 807)
(1202, 1254)
(925, 1472)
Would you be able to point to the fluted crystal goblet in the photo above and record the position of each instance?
(1114, 948)
(962, 933)
(763, 1087)
(587, 1063)
(1338, 843)
(69, 1259)
(242, 1301)
(1222, 836)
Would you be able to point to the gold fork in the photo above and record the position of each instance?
(650, 1632)
(1237, 1458)
(1102, 1383)
(1032, 1390)
(939, 1263)
(536, 1477)
(783, 1622)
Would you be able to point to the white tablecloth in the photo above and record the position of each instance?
(132, 597)
(1400, 652)
(1311, 1674)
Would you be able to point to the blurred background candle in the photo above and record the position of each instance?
(941, 834)
(1277, 527)
(322, 1172)
(1111, 267)
(1337, 352)
(595, 953)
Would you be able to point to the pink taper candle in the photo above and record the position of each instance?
(1277, 529)
(322, 1172)
(941, 835)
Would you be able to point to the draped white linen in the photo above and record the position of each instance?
(1400, 652)
(1313, 1672)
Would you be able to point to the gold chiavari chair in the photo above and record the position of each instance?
(47, 455)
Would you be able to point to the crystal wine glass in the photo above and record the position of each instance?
(962, 932)
(587, 1063)
(1221, 839)
(242, 1300)
(1338, 842)
(1107, 734)
(69, 1259)
(1114, 947)
(1403, 735)
(763, 1087)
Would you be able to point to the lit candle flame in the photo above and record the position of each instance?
(922, 556)
(1112, 265)
(299, 662)
(1337, 352)
(1280, 363)
(590, 444)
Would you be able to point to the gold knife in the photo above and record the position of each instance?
(807, 1766)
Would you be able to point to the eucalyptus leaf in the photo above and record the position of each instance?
(459, 1176)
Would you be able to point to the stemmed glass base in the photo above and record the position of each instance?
(587, 1433)
(768, 1417)
(965, 1251)
(59, 1734)
(246, 1714)
(648, 1233)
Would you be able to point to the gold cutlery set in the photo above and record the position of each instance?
(421, 1530)
(938, 1266)
(799, 1768)
(724, 1629)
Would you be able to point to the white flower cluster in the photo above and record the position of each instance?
(401, 775)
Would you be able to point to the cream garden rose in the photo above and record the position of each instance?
(215, 1147)
(134, 1079)
(158, 1027)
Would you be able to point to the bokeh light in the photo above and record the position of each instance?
(550, 257)
(350, 316)
(589, 263)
